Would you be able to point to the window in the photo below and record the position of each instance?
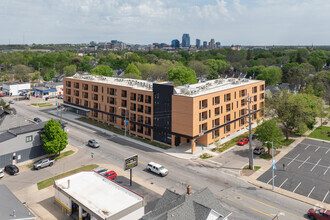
(227, 97)
(28, 138)
(254, 89)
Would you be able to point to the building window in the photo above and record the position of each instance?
(28, 138)
(227, 97)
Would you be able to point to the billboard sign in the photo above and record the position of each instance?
(131, 162)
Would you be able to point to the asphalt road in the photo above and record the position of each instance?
(244, 200)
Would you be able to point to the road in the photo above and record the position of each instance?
(243, 199)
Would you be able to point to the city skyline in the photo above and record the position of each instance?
(144, 22)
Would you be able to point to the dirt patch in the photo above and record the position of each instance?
(247, 172)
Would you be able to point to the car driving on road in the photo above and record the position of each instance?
(12, 169)
(318, 214)
(157, 168)
(43, 163)
(38, 120)
(93, 143)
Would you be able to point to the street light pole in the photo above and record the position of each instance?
(272, 142)
(250, 134)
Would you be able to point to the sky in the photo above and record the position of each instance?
(244, 22)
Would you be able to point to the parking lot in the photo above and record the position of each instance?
(306, 171)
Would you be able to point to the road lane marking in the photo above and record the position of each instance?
(293, 159)
(307, 147)
(311, 191)
(296, 187)
(317, 148)
(304, 162)
(271, 179)
(245, 205)
(327, 151)
(268, 205)
(316, 164)
(325, 196)
(283, 182)
(326, 170)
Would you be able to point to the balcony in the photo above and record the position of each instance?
(85, 87)
(123, 104)
(68, 84)
(76, 93)
(140, 131)
(216, 100)
(124, 94)
(113, 92)
(133, 108)
(95, 97)
(85, 95)
(76, 85)
(140, 109)
(148, 122)
(148, 99)
(95, 89)
(140, 98)
(133, 97)
(133, 118)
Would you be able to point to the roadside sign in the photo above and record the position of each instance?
(126, 122)
(274, 167)
(56, 103)
(131, 162)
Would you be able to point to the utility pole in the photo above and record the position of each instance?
(248, 99)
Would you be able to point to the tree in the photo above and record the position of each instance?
(4, 105)
(69, 70)
(271, 75)
(254, 71)
(132, 69)
(199, 68)
(182, 75)
(102, 70)
(216, 67)
(21, 72)
(54, 139)
(318, 58)
(269, 131)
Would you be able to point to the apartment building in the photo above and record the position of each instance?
(201, 113)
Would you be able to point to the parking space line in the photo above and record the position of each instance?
(296, 187)
(293, 159)
(317, 148)
(325, 196)
(326, 170)
(283, 182)
(304, 162)
(316, 164)
(307, 147)
(271, 179)
(327, 151)
(311, 191)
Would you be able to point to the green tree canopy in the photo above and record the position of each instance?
(271, 75)
(70, 70)
(254, 71)
(54, 139)
(199, 68)
(102, 70)
(269, 131)
(182, 74)
(216, 67)
(132, 69)
(4, 105)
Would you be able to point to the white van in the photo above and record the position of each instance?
(157, 168)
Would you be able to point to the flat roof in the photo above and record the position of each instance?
(99, 194)
(192, 90)
(15, 83)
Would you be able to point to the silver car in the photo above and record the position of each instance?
(93, 143)
(1, 173)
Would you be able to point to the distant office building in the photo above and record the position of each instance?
(205, 44)
(198, 43)
(114, 41)
(175, 43)
(185, 40)
(92, 42)
(218, 44)
(212, 44)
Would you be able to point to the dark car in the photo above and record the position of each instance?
(11, 102)
(259, 150)
(38, 120)
(11, 169)
(318, 214)
(93, 143)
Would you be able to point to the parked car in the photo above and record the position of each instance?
(11, 102)
(157, 168)
(243, 141)
(11, 169)
(1, 173)
(318, 214)
(38, 120)
(60, 97)
(93, 143)
(2, 95)
(101, 170)
(110, 175)
(43, 163)
(259, 150)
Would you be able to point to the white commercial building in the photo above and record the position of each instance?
(90, 194)
(14, 88)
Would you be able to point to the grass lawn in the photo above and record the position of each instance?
(230, 143)
(42, 104)
(50, 181)
(121, 132)
(287, 142)
(255, 167)
(322, 132)
(266, 156)
(205, 156)
(64, 154)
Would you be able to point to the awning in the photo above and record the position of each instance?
(75, 107)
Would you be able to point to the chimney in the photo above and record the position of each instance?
(189, 190)
(68, 184)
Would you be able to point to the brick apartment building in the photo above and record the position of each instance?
(201, 113)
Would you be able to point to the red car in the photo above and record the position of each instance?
(110, 175)
(1, 95)
(243, 141)
(319, 214)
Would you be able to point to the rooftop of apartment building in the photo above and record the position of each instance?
(190, 90)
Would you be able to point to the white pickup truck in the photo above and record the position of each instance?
(43, 163)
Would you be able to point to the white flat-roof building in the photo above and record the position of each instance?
(89, 193)
(14, 88)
